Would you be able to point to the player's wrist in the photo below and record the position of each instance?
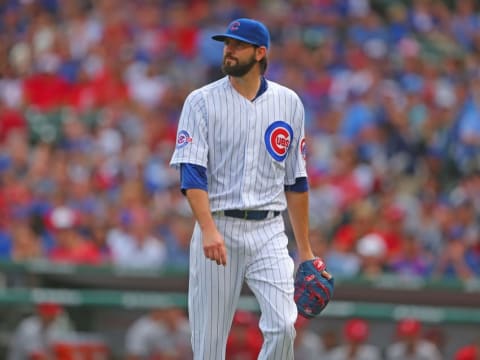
(209, 229)
(305, 255)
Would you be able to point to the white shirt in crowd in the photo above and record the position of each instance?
(31, 336)
(149, 337)
(364, 352)
(128, 252)
(424, 350)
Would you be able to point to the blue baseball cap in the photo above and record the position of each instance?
(247, 30)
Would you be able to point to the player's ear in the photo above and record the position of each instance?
(261, 52)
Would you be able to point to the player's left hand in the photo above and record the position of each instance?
(326, 275)
(313, 287)
(310, 257)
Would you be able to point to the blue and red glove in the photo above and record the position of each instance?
(313, 288)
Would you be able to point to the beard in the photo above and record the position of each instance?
(238, 69)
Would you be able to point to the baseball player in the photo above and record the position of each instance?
(241, 153)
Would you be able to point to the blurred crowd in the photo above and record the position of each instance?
(411, 340)
(164, 334)
(91, 90)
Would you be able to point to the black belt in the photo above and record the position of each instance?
(248, 214)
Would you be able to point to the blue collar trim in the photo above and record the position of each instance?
(262, 89)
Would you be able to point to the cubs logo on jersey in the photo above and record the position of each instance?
(183, 139)
(303, 148)
(278, 138)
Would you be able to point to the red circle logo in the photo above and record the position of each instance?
(278, 138)
(280, 141)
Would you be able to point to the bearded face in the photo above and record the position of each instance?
(234, 67)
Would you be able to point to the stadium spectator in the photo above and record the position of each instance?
(355, 347)
(391, 228)
(309, 345)
(159, 334)
(330, 339)
(437, 335)
(412, 261)
(138, 247)
(70, 245)
(11, 120)
(469, 130)
(26, 244)
(98, 233)
(34, 335)
(424, 226)
(177, 239)
(175, 344)
(469, 352)
(372, 251)
(409, 344)
(362, 222)
(457, 259)
(245, 339)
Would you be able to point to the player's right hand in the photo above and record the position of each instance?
(214, 247)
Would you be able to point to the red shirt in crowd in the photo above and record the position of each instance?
(245, 339)
(45, 91)
(82, 253)
(244, 344)
(11, 120)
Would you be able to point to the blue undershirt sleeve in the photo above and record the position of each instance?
(301, 185)
(193, 177)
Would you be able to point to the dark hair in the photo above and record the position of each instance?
(263, 65)
(263, 62)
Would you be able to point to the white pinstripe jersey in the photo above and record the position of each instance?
(250, 149)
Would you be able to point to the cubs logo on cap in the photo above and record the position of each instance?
(247, 30)
(234, 26)
(278, 138)
(183, 139)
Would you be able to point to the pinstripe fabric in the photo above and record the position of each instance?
(257, 252)
(227, 137)
(237, 141)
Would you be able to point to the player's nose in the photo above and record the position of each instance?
(228, 47)
(229, 50)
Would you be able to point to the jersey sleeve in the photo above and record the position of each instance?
(193, 177)
(295, 166)
(191, 145)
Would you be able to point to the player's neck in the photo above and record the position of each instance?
(247, 85)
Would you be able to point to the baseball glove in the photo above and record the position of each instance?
(313, 290)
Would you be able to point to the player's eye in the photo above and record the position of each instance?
(235, 44)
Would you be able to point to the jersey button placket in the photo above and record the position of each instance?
(249, 152)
